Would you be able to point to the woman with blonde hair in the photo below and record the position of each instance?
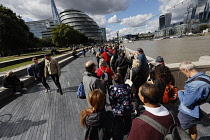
(96, 120)
(137, 77)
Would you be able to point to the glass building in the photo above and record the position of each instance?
(81, 22)
(165, 20)
(198, 11)
(42, 28)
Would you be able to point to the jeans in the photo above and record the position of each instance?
(55, 78)
(43, 80)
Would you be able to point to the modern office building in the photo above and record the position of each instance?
(198, 11)
(103, 33)
(42, 28)
(81, 22)
(165, 20)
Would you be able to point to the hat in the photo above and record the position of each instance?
(159, 59)
(48, 54)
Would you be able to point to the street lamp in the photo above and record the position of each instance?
(118, 43)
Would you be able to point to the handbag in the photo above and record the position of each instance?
(129, 81)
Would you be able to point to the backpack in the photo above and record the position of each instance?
(103, 131)
(204, 80)
(30, 71)
(174, 132)
(81, 91)
(170, 92)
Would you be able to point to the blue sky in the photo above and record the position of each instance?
(124, 16)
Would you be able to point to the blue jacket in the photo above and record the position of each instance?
(143, 61)
(194, 94)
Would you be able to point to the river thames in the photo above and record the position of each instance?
(174, 50)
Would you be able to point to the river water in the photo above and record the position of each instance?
(175, 50)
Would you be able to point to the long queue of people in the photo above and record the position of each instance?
(108, 79)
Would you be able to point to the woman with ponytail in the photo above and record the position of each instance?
(97, 121)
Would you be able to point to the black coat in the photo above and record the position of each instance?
(137, 77)
(10, 80)
(38, 69)
(99, 125)
(123, 63)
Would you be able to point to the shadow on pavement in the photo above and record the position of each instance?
(71, 89)
(21, 126)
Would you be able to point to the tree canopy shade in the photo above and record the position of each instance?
(203, 27)
(14, 33)
(65, 35)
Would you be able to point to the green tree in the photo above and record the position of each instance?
(14, 33)
(65, 35)
(203, 27)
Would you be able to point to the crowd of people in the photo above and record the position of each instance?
(105, 85)
(106, 82)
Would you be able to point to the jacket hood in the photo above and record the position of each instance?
(90, 74)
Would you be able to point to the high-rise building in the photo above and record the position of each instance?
(165, 20)
(103, 33)
(55, 15)
(42, 28)
(81, 22)
(197, 11)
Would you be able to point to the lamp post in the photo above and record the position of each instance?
(118, 38)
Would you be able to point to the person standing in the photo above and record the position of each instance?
(196, 91)
(38, 72)
(121, 104)
(121, 65)
(140, 129)
(143, 62)
(52, 68)
(83, 52)
(90, 79)
(159, 61)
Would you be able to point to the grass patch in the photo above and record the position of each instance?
(15, 66)
(24, 63)
(26, 55)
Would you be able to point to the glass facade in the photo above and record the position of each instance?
(81, 22)
(42, 28)
(198, 11)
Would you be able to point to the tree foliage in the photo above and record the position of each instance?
(14, 33)
(65, 35)
(203, 27)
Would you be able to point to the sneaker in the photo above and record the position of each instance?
(24, 89)
(47, 90)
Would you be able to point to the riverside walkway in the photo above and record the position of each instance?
(49, 116)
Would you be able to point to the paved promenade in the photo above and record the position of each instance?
(49, 116)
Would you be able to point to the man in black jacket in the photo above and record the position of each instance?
(121, 65)
(38, 72)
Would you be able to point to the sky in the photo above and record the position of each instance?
(125, 16)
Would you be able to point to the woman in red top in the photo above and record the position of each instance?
(104, 68)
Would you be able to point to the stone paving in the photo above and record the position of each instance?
(49, 116)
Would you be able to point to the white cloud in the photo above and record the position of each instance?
(99, 19)
(136, 21)
(108, 30)
(41, 9)
(114, 19)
